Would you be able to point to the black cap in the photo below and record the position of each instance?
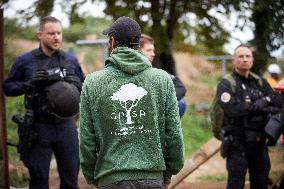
(125, 31)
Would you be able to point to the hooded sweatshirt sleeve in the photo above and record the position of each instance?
(174, 149)
(88, 152)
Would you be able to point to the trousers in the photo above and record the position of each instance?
(254, 160)
(61, 139)
(136, 184)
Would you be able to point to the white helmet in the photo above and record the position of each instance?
(274, 68)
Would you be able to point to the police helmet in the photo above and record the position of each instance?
(273, 129)
(63, 99)
(274, 68)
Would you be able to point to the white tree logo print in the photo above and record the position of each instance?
(129, 95)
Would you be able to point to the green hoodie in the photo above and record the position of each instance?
(129, 122)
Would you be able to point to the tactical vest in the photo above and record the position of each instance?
(60, 98)
(216, 113)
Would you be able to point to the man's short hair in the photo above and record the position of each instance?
(47, 19)
(243, 45)
(146, 39)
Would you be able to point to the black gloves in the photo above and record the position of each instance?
(259, 105)
(42, 78)
(256, 94)
(73, 79)
(28, 87)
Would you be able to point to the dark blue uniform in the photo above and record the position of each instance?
(59, 135)
(246, 112)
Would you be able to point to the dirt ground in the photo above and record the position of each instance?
(194, 70)
(213, 168)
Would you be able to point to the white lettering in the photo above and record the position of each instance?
(120, 115)
(142, 113)
(134, 114)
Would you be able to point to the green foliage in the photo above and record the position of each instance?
(212, 82)
(13, 29)
(43, 7)
(216, 177)
(18, 180)
(267, 19)
(92, 27)
(270, 27)
(74, 15)
(168, 22)
(9, 57)
(74, 33)
(14, 105)
(196, 130)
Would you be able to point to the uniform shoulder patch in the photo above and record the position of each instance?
(225, 97)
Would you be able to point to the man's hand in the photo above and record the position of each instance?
(256, 94)
(40, 78)
(28, 87)
(73, 79)
(259, 105)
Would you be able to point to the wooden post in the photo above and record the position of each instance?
(197, 159)
(4, 170)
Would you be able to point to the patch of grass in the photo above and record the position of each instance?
(18, 180)
(196, 130)
(212, 82)
(14, 105)
(216, 177)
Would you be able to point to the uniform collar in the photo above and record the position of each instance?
(241, 77)
(39, 53)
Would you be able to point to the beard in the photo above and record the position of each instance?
(52, 46)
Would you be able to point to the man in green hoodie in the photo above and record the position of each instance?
(130, 134)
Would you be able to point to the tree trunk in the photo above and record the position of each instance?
(164, 57)
(261, 36)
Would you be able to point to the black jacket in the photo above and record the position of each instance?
(179, 87)
(249, 106)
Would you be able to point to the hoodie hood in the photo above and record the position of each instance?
(128, 60)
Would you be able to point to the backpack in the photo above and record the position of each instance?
(216, 113)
